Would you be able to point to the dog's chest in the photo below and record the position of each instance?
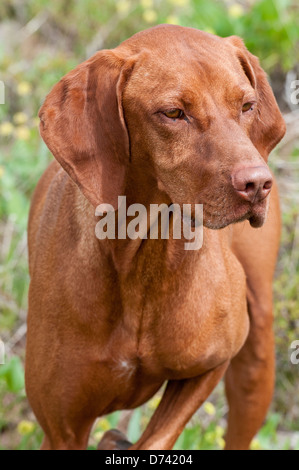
(184, 324)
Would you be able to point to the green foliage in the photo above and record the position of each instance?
(134, 428)
(197, 438)
(13, 375)
(268, 27)
(43, 41)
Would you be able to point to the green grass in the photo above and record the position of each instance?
(29, 66)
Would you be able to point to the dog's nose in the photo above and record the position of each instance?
(253, 183)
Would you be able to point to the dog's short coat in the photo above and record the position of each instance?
(172, 115)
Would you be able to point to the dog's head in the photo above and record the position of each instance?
(191, 112)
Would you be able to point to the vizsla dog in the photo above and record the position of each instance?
(172, 115)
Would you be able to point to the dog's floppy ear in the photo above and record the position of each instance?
(269, 127)
(82, 123)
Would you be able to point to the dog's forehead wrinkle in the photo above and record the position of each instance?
(207, 78)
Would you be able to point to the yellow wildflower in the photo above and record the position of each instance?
(123, 6)
(150, 16)
(154, 402)
(20, 118)
(172, 19)
(255, 445)
(220, 442)
(24, 88)
(219, 431)
(209, 408)
(22, 133)
(103, 425)
(236, 10)
(209, 30)
(25, 427)
(6, 129)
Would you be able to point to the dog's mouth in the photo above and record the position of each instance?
(257, 219)
(256, 215)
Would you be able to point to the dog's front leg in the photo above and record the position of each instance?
(250, 379)
(180, 401)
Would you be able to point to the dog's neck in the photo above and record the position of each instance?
(127, 252)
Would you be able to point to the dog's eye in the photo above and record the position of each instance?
(174, 114)
(247, 107)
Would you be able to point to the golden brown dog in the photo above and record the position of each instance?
(172, 115)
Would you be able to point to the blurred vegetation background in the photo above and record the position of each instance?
(42, 40)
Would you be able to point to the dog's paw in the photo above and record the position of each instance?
(114, 440)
